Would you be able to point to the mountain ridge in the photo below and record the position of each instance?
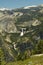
(25, 7)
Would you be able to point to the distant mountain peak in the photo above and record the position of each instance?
(28, 7)
(3, 9)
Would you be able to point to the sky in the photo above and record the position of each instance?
(19, 3)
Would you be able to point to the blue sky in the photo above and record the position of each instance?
(18, 3)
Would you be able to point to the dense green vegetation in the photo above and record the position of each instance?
(35, 60)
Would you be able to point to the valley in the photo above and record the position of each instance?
(21, 36)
